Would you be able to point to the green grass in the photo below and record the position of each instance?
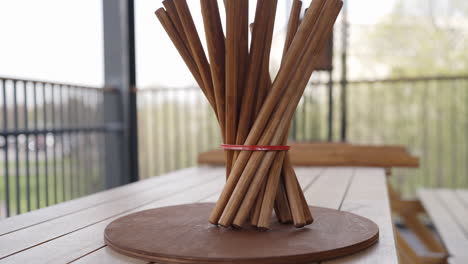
(53, 188)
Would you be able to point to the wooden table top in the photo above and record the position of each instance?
(448, 210)
(73, 231)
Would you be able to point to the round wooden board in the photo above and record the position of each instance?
(182, 234)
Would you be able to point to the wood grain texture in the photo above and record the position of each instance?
(77, 244)
(22, 239)
(198, 53)
(178, 38)
(236, 61)
(156, 235)
(67, 246)
(216, 50)
(14, 223)
(259, 49)
(367, 196)
(448, 212)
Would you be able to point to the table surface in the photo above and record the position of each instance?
(73, 231)
(448, 210)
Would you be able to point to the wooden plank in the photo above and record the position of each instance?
(87, 245)
(107, 256)
(458, 210)
(42, 215)
(449, 230)
(335, 154)
(367, 196)
(34, 235)
(458, 260)
(306, 175)
(329, 188)
(463, 195)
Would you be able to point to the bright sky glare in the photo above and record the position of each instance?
(61, 41)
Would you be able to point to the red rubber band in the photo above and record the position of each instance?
(254, 148)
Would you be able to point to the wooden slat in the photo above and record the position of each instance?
(34, 235)
(458, 260)
(449, 229)
(306, 175)
(367, 196)
(458, 210)
(87, 245)
(335, 154)
(38, 216)
(105, 255)
(328, 190)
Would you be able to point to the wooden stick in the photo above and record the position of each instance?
(259, 49)
(178, 42)
(282, 207)
(295, 202)
(271, 191)
(283, 212)
(285, 215)
(263, 170)
(236, 187)
(174, 15)
(236, 50)
(293, 25)
(307, 214)
(255, 212)
(290, 63)
(196, 47)
(216, 51)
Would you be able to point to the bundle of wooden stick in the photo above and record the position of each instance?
(251, 109)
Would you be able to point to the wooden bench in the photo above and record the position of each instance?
(448, 210)
(335, 154)
(383, 156)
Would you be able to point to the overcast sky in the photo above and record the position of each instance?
(61, 40)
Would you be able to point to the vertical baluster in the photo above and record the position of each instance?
(71, 141)
(207, 131)
(46, 159)
(54, 152)
(151, 133)
(26, 148)
(17, 162)
(89, 155)
(76, 114)
(145, 116)
(36, 147)
(187, 120)
(162, 135)
(62, 143)
(6, 158)
(100, 105)
(84, 136)
(199, 138)
(453, 136)
(175, 132)
(166, 144)
(157, 132)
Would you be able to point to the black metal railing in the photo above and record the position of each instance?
(51, 143)
(429, 115)
(174, 125)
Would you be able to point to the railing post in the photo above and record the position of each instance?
(344, 71)
(121, 161)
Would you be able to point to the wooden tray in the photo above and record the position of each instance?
(182, 234)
